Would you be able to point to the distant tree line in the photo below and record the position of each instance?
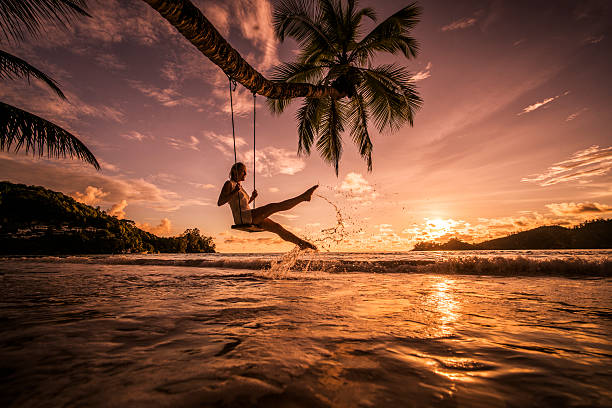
(594, 234)
(34, 220)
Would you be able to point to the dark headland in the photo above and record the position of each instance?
(595, 234)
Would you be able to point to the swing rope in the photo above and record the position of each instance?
(233, 82)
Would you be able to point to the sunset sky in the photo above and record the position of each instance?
(514, 133)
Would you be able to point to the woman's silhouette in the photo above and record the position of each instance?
(233, 193)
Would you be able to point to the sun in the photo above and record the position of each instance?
(439, 227)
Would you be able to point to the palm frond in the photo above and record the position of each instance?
(329, 143)
(359, 128)
(34, 134)
(299, 19)
(396, 27)
(278, 106)
(12, 67)
(309, 117)
(296, 72)
(18, 17)
(391, 95)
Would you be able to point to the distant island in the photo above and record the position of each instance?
(37, 221)
(595, 234)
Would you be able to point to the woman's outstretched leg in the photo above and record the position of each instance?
(267, 210)
(269, 225)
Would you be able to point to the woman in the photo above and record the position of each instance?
(233, 193)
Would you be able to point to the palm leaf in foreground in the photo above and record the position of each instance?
(33, 133)
(12, 67)
(18, 17)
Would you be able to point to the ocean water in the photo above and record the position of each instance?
(416, 329)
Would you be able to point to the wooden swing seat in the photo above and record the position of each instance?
(248, 227)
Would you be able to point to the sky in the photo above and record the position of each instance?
(514, 132)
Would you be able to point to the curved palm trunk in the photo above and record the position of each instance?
(195, 27)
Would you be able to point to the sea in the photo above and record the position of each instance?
(303, 329)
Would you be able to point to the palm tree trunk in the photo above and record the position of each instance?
(195, 27)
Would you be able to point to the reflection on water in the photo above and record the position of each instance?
(150, 335)
(446, 306)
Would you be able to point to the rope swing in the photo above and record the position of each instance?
(242, 226)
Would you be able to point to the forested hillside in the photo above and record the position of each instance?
(34, 220)
(595, 234)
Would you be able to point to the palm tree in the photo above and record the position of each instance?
(196, 28)
(331, 66)
(331, 54)
(19, 128)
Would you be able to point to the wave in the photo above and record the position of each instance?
(472, 265)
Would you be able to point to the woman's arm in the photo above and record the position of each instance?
(227, 193)
(253, 196)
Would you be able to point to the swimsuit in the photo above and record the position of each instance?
(240, 206)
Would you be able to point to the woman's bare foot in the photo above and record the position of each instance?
(307, 245)
(308, 193)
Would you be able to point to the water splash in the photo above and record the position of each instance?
(289, 265)
(330, 238)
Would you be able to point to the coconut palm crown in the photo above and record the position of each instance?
(20, 129)
(330, 53)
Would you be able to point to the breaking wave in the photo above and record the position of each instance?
(295, 261)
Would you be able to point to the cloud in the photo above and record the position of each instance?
(163, 229)
(272, 161)
(357, 188)
(575, 115)
(594, 39)
(583, 164)
(133, 135)
(117, 210)
(538, 105)
(110, 61)
(224, 143)
(203, 186)
(178, 144)
(255, 20)
(460, 24)
(92, 195)
(421, 75)
(219, 16)
(67, 176)
(40, 101)
(169, 97)
(580, 208)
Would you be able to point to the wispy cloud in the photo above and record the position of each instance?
(594, 39)
(356, 188)
(169, 97)
(134, 135)
(191, 144)
(591, 162)
(421, 75)
(579, 208)
(110, 61)
(538, 105)
(575, 115)
(460, 24)
(203, 186)
(272, 161)
(38, 100)
(224, 143)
